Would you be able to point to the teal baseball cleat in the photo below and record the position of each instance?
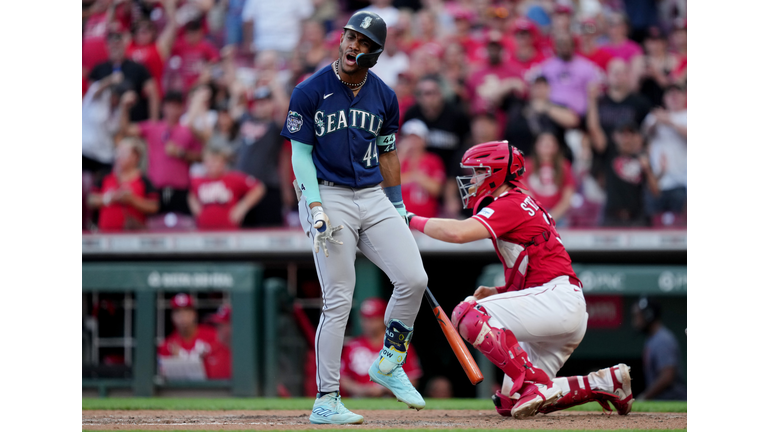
(387, 370)
(328, 409)
(397, 381)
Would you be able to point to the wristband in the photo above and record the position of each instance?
(418, 223)
(394, 193)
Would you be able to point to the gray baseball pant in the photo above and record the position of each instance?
(372, 224)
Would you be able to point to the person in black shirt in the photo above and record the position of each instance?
(527, 119)
(258, 155)
(628, 174)
(619, 106)
(448, 125)
(135, 75)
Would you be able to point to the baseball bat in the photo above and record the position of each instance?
(455, 341)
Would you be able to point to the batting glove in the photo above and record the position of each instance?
(321, 222)
(408, 216)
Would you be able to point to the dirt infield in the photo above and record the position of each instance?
(379, 419)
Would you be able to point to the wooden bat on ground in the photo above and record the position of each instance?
(456, 342)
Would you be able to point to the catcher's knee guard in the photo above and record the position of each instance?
(499, 345)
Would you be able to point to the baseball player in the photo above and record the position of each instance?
(342, 123)
(529, 326)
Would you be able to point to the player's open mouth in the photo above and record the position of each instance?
(350, 59)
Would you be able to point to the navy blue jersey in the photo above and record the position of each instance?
(342, 128)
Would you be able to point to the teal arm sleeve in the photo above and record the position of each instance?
(386, 143)
(305, 171)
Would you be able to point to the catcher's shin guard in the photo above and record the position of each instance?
(580, 393)
(499, 345)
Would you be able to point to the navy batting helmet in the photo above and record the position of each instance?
(375, 29)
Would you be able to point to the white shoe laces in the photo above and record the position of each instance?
(337, 404)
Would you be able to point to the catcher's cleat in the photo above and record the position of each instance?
(503, 404)
(328, 409)
(534, 396)
(622, 386)
(580, 393)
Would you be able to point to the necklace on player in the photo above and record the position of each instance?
(354, 86)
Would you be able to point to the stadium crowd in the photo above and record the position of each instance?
(183, 102)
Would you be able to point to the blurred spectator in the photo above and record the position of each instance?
(102, 109)
(484, 128)
(525, 55)
(679, 39)
(439, 387)
(527, 119)
(226, 130)
(428, 28)
(259, 153)
(96, 15)
(385, 10)
(148, 104)
(220, 359)
(618, 106)
(667, 131)
(358, 355)
(448, 125)
(221, 198)
(233, 22)
(620, 46)
(393, 61)
(562, 20)
(172, 147)
(629, 173)
(548, 175)
(569, 76)
(661, 354)
(190, 340)
(456, 70)
(642, 15)
(191, 58)
(472, 41)
(422, 174)
(659, 66)
(405, 92)
(124, 196)
(589, 47)
(496, 79)
(151, 50)
(312, 50)
(670, 11)
(200, 117)
(274, 25)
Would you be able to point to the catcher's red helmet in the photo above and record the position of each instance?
(502, 162)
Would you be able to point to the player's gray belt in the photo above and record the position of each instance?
(327, 183)
(330, 183)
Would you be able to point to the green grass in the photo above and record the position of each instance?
(306, 404)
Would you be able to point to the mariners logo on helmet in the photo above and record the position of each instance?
(366, 22)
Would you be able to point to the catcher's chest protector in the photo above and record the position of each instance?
(516, 255)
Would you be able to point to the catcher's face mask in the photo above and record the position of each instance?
(471, 186)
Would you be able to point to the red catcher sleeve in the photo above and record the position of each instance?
(501, 216)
